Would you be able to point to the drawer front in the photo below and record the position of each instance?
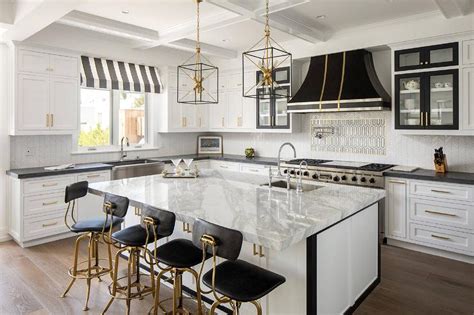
(218, 165)
(449, 214)
(461, 193)
(254, 169)
(43, 226)
(44, 203)
(48, 184)
(94, 177)
(442, 238)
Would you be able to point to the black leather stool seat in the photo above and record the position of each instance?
(180, 253)
(135, 236)
(95, 225)
(242, 281)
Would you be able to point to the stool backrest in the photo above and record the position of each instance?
(165, 220)
(76, 191)
(228, 241)
(119, 204)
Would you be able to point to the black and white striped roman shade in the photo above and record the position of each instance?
(117, 75)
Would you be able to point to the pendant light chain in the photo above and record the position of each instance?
(198, 40)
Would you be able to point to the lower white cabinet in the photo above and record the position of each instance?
(467, 97)
(37, 206)
(430, 214)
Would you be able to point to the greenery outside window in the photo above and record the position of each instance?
(108, 116)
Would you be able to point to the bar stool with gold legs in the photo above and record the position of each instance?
(91, 230)
(236, 280)
(179, 256)
(155, 225)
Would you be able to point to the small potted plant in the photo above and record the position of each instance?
(249, 153)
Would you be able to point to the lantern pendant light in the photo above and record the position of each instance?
(265, 58)
(198, 81)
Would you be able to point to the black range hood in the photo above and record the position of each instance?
(343, 81)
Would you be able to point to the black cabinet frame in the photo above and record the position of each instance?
(425, 62)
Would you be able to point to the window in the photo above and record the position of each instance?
(108, 116)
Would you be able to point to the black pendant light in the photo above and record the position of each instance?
(265, 58)
(197, 76)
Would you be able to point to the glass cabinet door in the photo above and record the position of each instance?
(442, 55)
(280, 110)
(409, 102)
(408, 59)
(443, 104)
(264, 113)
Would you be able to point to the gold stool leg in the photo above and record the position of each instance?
(76, 257)
(198, 289)
(89, 261)
(129, 278)
(212, 311)
(258, 307)
(114, 276)
(157, 292)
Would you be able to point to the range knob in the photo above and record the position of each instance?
(298, 173)
(343, 177)
(315, 176)
(285, 171)
(336, 178)
(292, 172)
(354, 178)
(363, 179)
(372, 180)
(306, 173)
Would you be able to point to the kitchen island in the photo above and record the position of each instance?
(324, 241)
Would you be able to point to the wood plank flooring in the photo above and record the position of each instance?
(32, 279)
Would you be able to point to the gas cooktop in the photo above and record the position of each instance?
(311, 162)
(361, 166)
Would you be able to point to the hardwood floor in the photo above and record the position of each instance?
(32, 279)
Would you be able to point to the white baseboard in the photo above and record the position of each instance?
(4, 236)
(431, 251)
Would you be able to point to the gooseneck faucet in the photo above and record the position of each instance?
(299, 184)
(123, 154)
(279, 155)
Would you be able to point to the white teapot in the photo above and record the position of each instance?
(411, 85)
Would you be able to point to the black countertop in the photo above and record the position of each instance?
(430, 175)
(40, 171)
(90, 167)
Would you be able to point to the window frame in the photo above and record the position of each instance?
(114, 131)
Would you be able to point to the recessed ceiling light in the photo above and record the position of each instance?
(225, 40)
(125, 12)
(321, 17)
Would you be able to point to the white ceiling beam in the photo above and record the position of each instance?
(210, 50)
(46, 13)
(108, 26)
(278, 20)
(187, 29)
(454, 8)
(7, 14)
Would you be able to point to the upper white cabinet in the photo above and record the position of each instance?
(468, 52)
(45, 94)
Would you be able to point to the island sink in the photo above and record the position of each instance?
(282, 184)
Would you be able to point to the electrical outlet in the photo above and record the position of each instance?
(29, 152)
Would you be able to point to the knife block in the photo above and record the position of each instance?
(443, 167)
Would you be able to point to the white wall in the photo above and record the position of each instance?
(4, 143)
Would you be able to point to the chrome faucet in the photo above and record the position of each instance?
(123, 154)
(279, 155)
(299, 184)
(287, 177)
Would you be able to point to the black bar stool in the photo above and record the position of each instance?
(236, 280)
(179, 256)
(91, 230)
(155, 224)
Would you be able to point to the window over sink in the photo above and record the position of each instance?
(107, 116)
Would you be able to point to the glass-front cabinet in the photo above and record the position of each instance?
(443, 55)
(427, 100)
(272, 113)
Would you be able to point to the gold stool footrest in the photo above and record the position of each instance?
(183, 310)
(138, 290)
(83, 268)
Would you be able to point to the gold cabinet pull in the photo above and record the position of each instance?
(47, 120)
(52, 120)
(50, 224)
(441, 213)
(440, 237)
(426, 119)
(440, 191)
(93, 176)
(255, 252)
(50, 203)
(186, 228)
(138, 211)
(50, 185)
(396, 181)
(421, 119)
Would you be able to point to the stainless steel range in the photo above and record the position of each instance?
(340, 172)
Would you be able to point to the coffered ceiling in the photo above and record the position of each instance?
(228, 26)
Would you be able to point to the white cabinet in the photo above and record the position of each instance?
(468, 52)
(45, 96)
(217, 114)
(467, 97)
(396, 208)
(37, 206)
(235, 109)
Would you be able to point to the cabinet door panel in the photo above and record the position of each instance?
(188, 115)
(396, 208)
(34, 62)
(217, 113)
(63, 103)
(234, 109)
(64, 66)
(33, 102)
(468, 52)
(442, 100)
(408, 102)
(468, 97)
(174, 111)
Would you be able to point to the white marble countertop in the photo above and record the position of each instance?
(274, 218)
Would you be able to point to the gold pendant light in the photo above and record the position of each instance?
(266, 58)
(198, 81)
